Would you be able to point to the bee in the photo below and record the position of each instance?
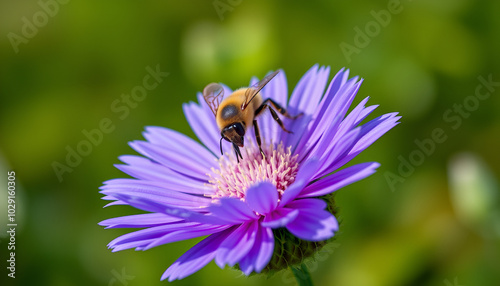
(238, 112)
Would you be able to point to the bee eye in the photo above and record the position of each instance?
(239, 129)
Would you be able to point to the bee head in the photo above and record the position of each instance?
(234, 133)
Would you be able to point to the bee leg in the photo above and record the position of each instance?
(281, 109)
(277, 119)
(237, 152)
(257, 136)
(273, 113)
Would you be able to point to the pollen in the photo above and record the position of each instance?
(278, 166)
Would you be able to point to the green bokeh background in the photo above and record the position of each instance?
(439, 225)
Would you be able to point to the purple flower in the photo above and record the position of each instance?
(190, 191)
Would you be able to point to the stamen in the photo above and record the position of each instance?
(232, 179)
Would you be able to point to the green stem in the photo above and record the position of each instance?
(302, 275)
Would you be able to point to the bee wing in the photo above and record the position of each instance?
(213, 94)
(254, 89)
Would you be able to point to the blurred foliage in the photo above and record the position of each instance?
(421, 231)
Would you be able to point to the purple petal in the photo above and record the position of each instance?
(232, 210)
(312, 224)
(277, 90)
(304, 176)
(305, 98)
(166, 200)
(311, 204)
(133, 244)
(384, 123)
(186, 233)
(188, 165)
(202, 121)
(262, 197)
(145, 169)
(279, 218)
(156, 205)
(345, 136)
(340, 179)
(195, 258)
(237, 244)
(111, 198)
(369, 133)
(170, 182)
(115, 203)
(337, 82)
(150, 190)
(261, 252)
(353, 118)
(331, 111)
(162, 187)
(350, 120)
(180, 143)
(148, 234)
(329, 123)
(138, 221)
(364, 113)
(340, 149)
(308, 92)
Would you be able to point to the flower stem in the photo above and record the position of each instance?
(302, 275)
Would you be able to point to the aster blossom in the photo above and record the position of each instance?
(189, 190)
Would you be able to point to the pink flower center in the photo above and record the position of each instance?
(232, 179)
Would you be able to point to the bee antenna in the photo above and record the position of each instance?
(221, 146)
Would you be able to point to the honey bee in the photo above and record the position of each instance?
(237, 112)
